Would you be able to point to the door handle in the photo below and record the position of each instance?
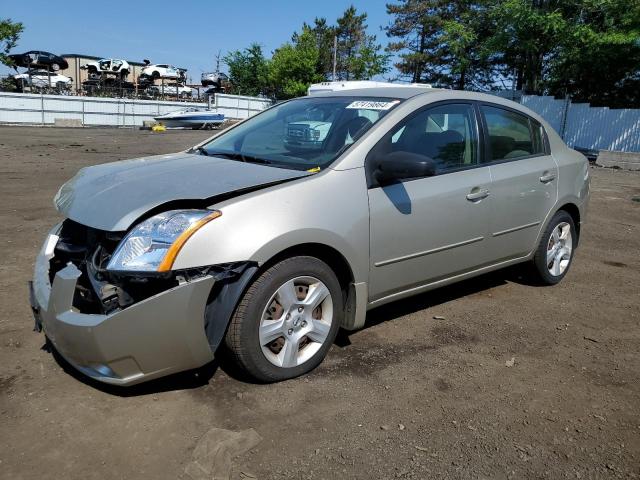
(476, 195)
(547, 177)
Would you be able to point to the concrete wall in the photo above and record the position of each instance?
(626, 161)
(93, 111)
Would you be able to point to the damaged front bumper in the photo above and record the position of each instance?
(157, 336)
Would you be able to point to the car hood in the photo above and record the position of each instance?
(112, 196)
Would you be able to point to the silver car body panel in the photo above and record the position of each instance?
(398, 241)
(426, 229)
(112, 196)
(329, 208)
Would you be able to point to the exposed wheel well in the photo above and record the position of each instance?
(327, 254)
(336, 262)
(573, 210)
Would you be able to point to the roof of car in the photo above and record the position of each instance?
(382, 92)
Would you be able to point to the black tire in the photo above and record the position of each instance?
(55, 67)
(155, 75)
(540, 268)
(242, 343)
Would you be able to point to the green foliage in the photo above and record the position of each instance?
(7, 84)
(294, 66)
(441, 42)
(359, 57)
(323, 34)
(308, 58)
(248, 70)
(599, 57)
(589, 49)
(9, 36)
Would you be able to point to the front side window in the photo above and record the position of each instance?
(302, 134)
(511, 135)
(446, 134)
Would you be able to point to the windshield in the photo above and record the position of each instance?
(303, 134)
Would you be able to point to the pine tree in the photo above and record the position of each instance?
(441, 42)
(359, 57)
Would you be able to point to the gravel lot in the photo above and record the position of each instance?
(491, 378)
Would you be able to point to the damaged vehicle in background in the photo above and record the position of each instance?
(244, 248)
(170, 89)
(115, 66)
(38, 58)
(43, 80)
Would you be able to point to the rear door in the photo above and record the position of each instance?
(524, 180)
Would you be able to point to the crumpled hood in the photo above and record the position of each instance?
(112, 196)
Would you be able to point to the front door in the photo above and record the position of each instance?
(426, 229)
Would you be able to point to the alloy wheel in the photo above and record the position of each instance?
(296, 322)
(559, 249)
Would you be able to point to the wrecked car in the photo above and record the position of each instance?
(244, 248)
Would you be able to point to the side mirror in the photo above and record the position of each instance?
(402, 165)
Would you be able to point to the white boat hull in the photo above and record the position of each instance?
(190, 119)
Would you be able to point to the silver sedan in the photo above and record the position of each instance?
(260, 243)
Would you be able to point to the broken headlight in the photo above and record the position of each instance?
(152, 245)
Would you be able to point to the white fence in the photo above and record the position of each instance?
(581, 125)
(120, 112)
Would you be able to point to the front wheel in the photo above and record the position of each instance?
(555, 251)
(287, 320)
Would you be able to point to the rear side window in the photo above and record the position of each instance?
(511, 135)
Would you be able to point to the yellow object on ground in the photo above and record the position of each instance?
(158, 128)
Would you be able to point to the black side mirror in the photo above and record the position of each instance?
(402, 165)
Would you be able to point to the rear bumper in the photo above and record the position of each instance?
(158, 336)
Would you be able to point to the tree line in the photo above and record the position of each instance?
(587, 49)
(309, 58)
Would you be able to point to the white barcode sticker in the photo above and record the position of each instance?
(372, 105)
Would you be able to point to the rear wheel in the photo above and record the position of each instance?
(555, 251)
(287, 320)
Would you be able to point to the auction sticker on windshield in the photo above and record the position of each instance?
(370, 105)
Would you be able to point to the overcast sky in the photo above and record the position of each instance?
(183, 33)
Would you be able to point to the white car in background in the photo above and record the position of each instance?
(213, 78)
(172, 89)
(43, 79)
(108, 65)
(161, 71)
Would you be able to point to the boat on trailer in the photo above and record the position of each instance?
(191, 117)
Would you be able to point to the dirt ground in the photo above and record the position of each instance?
(488, 379)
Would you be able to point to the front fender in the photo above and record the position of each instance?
(329, 208)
